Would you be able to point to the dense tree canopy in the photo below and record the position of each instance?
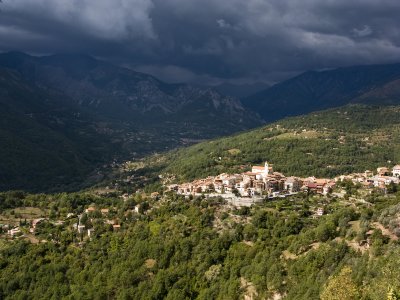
(200, 248)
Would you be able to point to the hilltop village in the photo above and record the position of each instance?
(263, 182)
(238, 190)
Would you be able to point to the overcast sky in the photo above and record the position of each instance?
(209, 41)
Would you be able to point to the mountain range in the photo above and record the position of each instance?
(317, 90)
(116, 93)
(65, 117)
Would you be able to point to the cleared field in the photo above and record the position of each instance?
(13, 216)
(355, 225)
(310, 134)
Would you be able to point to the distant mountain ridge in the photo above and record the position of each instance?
(114, 92)
(316, 90)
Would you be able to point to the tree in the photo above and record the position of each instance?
(391, 295)
(392, 188)
(325, 231)
(236, 192)
(341, 287)
(213, 272)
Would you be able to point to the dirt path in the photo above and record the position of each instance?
(353, 244)
(385, 231)
(32, 238)
(249, 288)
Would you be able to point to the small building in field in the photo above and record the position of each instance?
(320, 211)
(90, 232)
(104, 211)
(13, 232)
(154, 195)
(81, 228)
(90, 209)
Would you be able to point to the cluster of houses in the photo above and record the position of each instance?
(382, 179)
(95, 216)
(103, 216)
(16, 230)
(263, 181)
(80, 228)
(13, 230)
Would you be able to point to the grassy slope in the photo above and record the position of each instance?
(326, 143)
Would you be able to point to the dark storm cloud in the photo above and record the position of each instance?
(209, 40)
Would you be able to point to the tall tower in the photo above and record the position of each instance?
(266, 168)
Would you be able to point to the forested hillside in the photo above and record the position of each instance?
(176, 248)
(107, 243)
(326, 143)
(45, 143)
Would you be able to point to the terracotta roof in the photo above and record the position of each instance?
(312, 185)
(321, 181)
(250, 174)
